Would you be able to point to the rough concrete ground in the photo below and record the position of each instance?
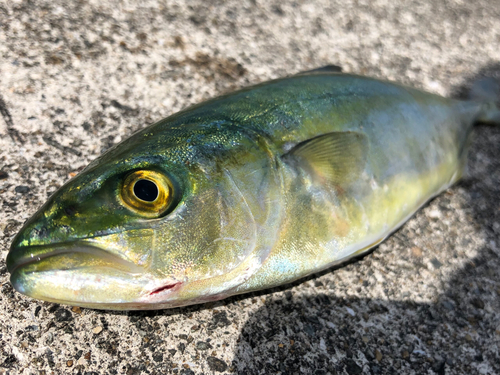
(78, 77)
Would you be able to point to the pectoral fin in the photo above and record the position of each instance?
(336, 158)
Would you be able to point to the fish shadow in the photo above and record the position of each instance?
(324, 333)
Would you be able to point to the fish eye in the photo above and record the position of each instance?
(147, 193)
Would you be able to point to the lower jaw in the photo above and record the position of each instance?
(88, 287)
(98, 288)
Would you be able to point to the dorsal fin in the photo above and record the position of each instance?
(336, 158)
(323, 69)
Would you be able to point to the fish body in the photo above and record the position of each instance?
(244, 192)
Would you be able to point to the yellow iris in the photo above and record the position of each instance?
(147, 193)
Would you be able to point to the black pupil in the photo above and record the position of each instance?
(146, 190)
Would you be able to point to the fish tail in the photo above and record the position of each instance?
(486, 90)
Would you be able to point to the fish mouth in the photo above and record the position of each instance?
(66, 256)
(88, 276)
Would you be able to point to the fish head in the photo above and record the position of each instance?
(159, 221)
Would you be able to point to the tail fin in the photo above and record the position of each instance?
(487, 90)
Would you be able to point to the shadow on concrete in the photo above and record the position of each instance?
(324, 333)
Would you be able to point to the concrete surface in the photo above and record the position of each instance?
(78, 77)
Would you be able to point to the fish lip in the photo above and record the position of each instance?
(21, 256)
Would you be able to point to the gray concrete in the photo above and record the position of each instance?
(75, 79)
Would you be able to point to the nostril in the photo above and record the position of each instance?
(70, 210)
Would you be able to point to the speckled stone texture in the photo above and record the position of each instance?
(79, 76)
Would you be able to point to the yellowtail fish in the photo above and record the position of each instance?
(245, 192)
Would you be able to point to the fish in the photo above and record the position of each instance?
(246, 191)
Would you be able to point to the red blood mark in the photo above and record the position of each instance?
(164, 287)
